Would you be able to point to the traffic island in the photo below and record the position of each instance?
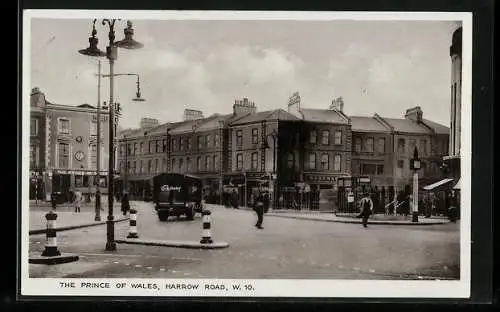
(62, 258)
(174, 244)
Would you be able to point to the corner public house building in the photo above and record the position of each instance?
(63, 148)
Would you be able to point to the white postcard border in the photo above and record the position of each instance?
(261, 288)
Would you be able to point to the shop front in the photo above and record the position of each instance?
(36, 190)
(239, 187)
(63, 183)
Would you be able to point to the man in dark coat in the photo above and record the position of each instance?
(259, 209)
(125, 204)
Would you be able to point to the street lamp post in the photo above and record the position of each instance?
(111, 55)
(137, 98)
(415, 166)
(98, 149)
(221, 160)
(274, 137)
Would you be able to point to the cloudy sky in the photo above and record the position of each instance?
(376, 66)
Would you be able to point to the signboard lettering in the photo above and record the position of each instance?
(166, 188)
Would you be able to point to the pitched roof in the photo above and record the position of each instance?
(367, 124)
(212, 122)
(438, 128)
(323, 115)
(406, 125)
(185, 126)
(277, 114)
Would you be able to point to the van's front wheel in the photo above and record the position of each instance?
(162, 216)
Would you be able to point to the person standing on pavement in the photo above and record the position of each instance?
(125, 203)
(77, 201)
(366, 204)
(259, 209)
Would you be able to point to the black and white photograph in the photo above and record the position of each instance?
(246, 154)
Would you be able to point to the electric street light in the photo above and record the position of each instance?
(415, 166)
(111, 54)
(137, 98)
(274, 136)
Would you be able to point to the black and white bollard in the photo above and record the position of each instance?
(51, 236)
(133, 224)
(206, 233)
(51, 254)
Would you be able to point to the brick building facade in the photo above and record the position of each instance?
(63, 147)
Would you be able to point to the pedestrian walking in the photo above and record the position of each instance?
(125, 204)
(77, 201)
(259, 209)
(366, 205)
(53, 200)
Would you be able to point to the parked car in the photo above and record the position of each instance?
(176, 195)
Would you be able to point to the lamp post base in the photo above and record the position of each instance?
(110, 246)
(97, 206)
(414, 217)
(110, 243)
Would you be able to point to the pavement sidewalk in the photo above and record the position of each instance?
(67, 219)
(331, 217)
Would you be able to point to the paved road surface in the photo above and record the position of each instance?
(286, 248)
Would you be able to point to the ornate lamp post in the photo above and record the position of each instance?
(111, 55)
(415, 166)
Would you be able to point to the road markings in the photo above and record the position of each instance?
(162, 269)
(115, 262)
(150, 268)
(138, 266)
(372, 271)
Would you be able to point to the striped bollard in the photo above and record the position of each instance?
(133, 224)
(206, 234)
(51, 255)
(51, 240)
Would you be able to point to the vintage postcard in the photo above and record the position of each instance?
(246, 154)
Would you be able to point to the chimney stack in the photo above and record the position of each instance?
(338, 104)
(192, 114)
(37, 98)
(244, 107)
(294, 104)
(414, 114)
(148, 123)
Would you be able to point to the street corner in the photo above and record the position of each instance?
(173, 244)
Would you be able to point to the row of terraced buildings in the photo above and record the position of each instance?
(311, 155)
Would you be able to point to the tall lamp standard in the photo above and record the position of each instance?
(137, 98)
(221, 161)
(111, 54)
(274, 136)
(415, 166)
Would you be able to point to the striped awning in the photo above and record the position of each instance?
(437, 184)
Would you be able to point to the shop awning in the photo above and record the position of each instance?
(437, 184)
(458, 185)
